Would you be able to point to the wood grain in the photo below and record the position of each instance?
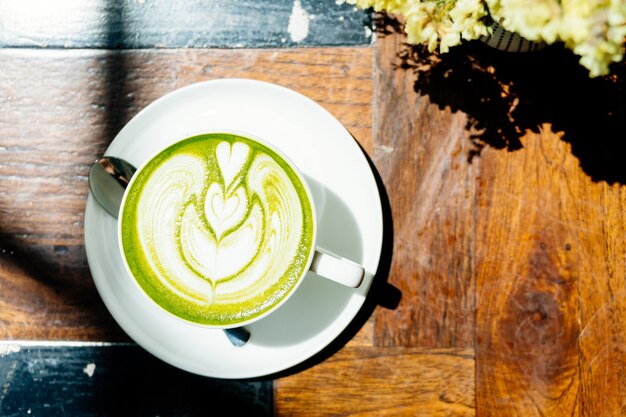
(550, 334)
(529, 261)
(602, 293)
(59, 110)
(360, 381)
(420, 151)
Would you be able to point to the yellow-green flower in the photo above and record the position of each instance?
(593, 29)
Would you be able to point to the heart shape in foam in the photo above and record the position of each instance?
(224, 213)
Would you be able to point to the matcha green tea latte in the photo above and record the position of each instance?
(217, 229)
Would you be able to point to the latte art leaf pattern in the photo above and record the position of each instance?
(218, 229)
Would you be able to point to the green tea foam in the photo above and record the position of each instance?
(217, 229)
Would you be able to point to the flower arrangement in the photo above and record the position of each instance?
(593, 29)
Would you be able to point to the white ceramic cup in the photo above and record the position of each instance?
(321, 261)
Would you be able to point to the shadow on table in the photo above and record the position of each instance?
(55, 265)
(505, 95)
(381, 292)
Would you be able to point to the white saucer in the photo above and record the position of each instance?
(349, 215)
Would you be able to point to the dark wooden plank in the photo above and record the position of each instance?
(420, 150)
(388, 381)
(182, 24)
(116, 380)
(59, 110)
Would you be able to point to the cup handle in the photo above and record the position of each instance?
(336, 268)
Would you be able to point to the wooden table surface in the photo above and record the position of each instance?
(499, 291)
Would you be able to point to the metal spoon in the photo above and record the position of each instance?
(108, 178)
